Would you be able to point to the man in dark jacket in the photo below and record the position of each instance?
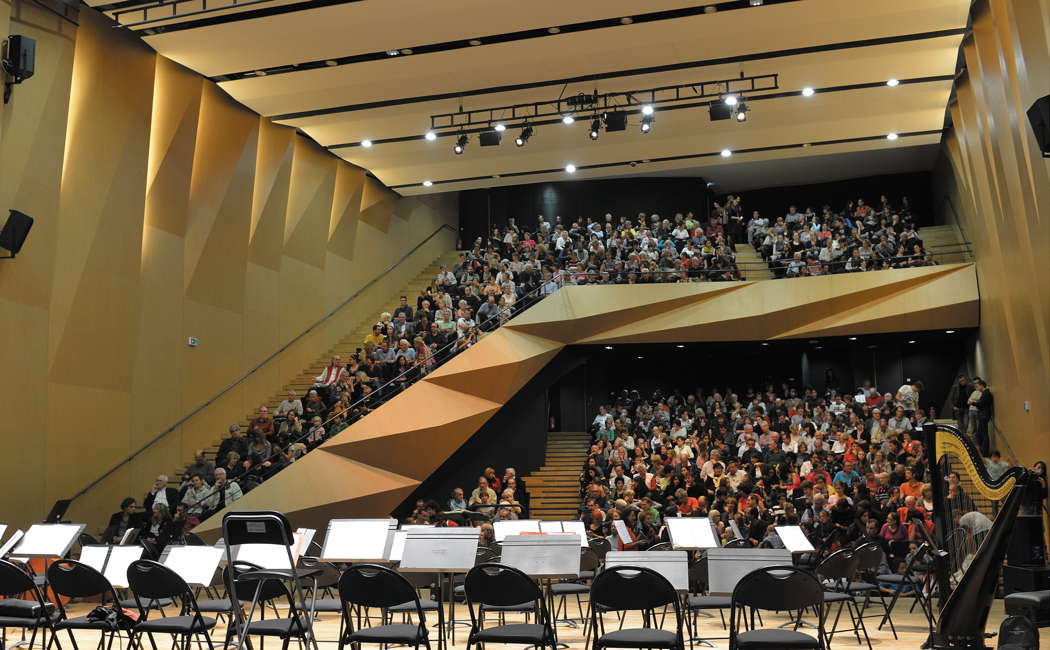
(161, 493)
(985, 409)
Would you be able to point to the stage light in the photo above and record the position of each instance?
(807, 92)
(647, 124)
(949, 331)
(756, 3)
(640, 358)
(892, 82)
(765, 345)
(679, 346)
(615, 121)
(461, 144)
(430, 135)
(568, 119)
(608, 347)
(526, 133)
(427, 183)
(626, 20)
(366, 143)
(891, 136)
(500, 127)
(596, 128)
(741, 113)
(726, 153)
(647, 109)
(571, 168)
(911, 341)
(730, 100)
(331, 62)
(853, 338)
(393, 52)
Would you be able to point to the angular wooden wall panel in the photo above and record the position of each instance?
(273, 172)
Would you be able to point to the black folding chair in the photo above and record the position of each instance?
(702, 602)
(662, 546)
(837, 572)
(739, 542)
(34, 613)
(589, 563)
(497, 585)
(601, 546)
(369, 585)
(268, 527)
(628, 588)
(869, 562)
(151, 580)
(777, 588)
(913, 578)
(72, 579)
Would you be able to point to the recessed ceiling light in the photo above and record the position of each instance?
(765, 345)
(756, 3)
(730, 100)
(392, 52)
(819, 347)
(891, 136)
(430, 135)
(726, 153)
(406, 50)
(641, 357)
(260, 73)
(366, 143)
(427, 183)
(892, 82)
(911, 341)
(331, 62)
(949, 331)
(806, 144)
(808, 91)
(554, 30)
(571, 168)
(500, 127)
(679, 346)
(608, 347)
(626, 20)
(474, 41)
(853, 338)
(647, 109)
(568, 119)
(710, 9)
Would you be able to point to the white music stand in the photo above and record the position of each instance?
(3, 529)
(543, 556)
(10, 543)
(795, 539)
(95, 556)
(443, 551)
(194, 564)
(515, 527)
(49, 541)
(726, 566)
(673, 565)
(571, 527)
(692, 533)
(358, 540)
(733, 526)
(397, 545)
(111, 561)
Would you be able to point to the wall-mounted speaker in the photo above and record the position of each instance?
(1039, 118)
(20, 61)
(15, 231)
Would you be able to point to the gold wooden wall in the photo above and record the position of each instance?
(164, 210)
(996, 186)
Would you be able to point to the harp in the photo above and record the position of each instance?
(973, 515)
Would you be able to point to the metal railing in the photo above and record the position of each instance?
(236, 382)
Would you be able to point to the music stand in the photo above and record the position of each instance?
(397, 545)
(794, 539)
(444, 551)
(726, 566)
(571, 527)
(120, 558)
(194, 564)
(48, 541)
(357, 540)
(58, 511)
(514, 527)
(673, 565)
(3, 529)
(692, 533)
(544, 558)
(274, 556)
(131, 536)
(10, 543)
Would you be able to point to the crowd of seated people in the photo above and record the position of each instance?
(493, 498)
(847, 470)
(860, 238)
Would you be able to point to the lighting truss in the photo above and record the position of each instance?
(590, 104)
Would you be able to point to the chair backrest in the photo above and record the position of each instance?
(86, 540)
(869, 558)
(662, 546)
(151, 550)
(589, 560)
(256, 527)
(193, 539)
(600, 545)
(14, 580)
(485, 554)
(152, 580)
(372, 585)
(739, 542)
(76, 580)
(839, 566)
(499, 585)
(778, 588)
(245, 589)
(628, 588)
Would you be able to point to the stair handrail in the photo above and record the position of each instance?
(295, 339)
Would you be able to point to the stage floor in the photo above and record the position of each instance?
(911, 630)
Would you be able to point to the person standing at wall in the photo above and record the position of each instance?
(957, 396)
(984, 408)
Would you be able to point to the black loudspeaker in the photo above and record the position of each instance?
(1025, 578)
(490, 138)
(15, 231)
(1025, 547)
(1039, 117)
(615, 121)
(20, 61)
(720, 111)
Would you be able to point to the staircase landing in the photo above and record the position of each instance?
(554, 489)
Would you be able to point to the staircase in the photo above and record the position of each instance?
(751, 263)
(946, 243)
(554, 489)
(344, 348)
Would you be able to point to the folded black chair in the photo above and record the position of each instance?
(30, 614)
(869, 562)
(75, 580)
(837, 572)
(781, 588)
(589, 563)
(150, 580)
(370, 585)
(627, 588)
(499, 586)
(916, 579)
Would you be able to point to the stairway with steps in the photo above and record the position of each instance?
(751, 263)
(946, 243)
(346, 347)
(554, 488)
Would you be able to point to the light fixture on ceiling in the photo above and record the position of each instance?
(608, 347)
(427, 183)
(568, 119)
(765, 345)
(500, 127)
(726, 153)
(756, 3)
(570, 168)
(730, 100)
(626, 20)
(331, 62)
(596, 128)
(524, 136)
(640, 358)
(892, 136)
(461, 144)
(949, 331)
(474, 42)
(430, 135)
(808, 91)
(647, 123)
(853, 338)
(260, 73)
(892, 82)
(647, 109)
(366, 144)
(911, 341)
(406, 50)
(393, 52)
(679, 346)
(554, 30)
(741, 112)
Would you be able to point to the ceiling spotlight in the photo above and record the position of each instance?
(726, 153)
(554, 30)
(427, 183)
(608, 347)
(568, 119)
(647, 124)
(571, 168)
(892, 83)
(679, 346)
(730, 100)
(526, 133)
(331, 62)
(808, 91)
(647, 109)
(366, 143)
(756, 3)
(853, 338)
(596, 127)
(406, 50)
(891, 136)
(474, 41)
(949, 331)
(461, 144)
(430, 135)
(500, 127)
(626, 20)
(741, 113)
(765, 345)
(911, 341)
(640, 358)
(393, 52)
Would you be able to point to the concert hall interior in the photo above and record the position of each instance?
(705, 323)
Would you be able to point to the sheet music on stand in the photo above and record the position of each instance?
(275, 556)
(726, 566)
(733, 526)
(673, 565)
(48, 540)
(358, 540)
(397, 544)
(194, 564)
(3, 529)
(570, 526)
(10, 543)
(94, 555)
(795, 539)
(129, 535)
(120, 558)
(515, 527)
(543, 556)
(441, 550)
(691, 533)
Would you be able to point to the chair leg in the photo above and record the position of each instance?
(863, 628)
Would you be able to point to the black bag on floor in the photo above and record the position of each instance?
(1018, 633)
